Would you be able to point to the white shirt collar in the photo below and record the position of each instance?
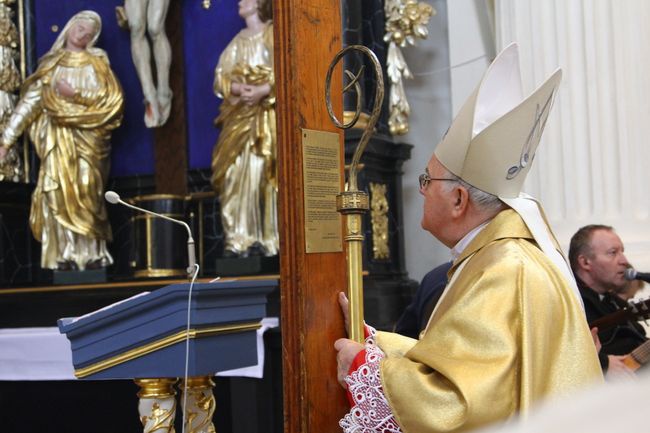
(457, 250)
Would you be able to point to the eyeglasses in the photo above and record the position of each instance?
(424, 180)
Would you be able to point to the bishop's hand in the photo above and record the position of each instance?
(345, 309)
(347, 351)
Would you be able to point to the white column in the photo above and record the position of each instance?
(429, 95)
(593, 165)
(447, 67)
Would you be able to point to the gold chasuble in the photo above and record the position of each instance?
(507, 332)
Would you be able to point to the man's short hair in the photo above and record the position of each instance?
(483, 200)
(581, 243)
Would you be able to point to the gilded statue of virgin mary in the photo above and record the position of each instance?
(69, 107)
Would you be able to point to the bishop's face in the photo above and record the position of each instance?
(437, 204)
(247, 8)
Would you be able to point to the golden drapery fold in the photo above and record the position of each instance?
(507, 332)
(244, 158)
(71, 138)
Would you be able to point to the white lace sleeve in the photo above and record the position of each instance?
(371, 412)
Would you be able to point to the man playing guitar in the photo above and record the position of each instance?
(598, 262)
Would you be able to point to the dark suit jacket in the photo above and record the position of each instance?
(416, 316)
(618, 340)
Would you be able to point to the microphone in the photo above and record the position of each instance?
(632, 274)
(114, 198)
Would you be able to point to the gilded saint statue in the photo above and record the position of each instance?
(69, 107)
(244, 158)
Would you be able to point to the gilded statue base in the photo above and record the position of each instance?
(255, 265)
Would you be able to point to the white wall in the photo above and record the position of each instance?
(592, 163)
(471, 47)
(429, 96)
(459, 33)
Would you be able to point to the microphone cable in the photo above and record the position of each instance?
(187, 342)
(192, 270)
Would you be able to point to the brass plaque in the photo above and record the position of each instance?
(321, 166)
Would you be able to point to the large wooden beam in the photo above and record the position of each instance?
(170, 139)
(307, 36)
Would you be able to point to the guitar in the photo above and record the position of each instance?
(633, 312)
(638, 357)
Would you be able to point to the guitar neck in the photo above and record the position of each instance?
(635, 312)
(611, 320)
(642, 353)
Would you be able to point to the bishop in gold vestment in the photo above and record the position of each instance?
(70, 105)
(509, 329)
(507, 333)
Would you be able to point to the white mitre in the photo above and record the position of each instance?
(492, 141)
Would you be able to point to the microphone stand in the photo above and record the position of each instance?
(192, 272)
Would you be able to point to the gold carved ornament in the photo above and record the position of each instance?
(201, 406)
(354, 203)
(406, 21)
(160, 418)
(379, 221)
(157, 404)
(11, 168)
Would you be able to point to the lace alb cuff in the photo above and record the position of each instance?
(370, 411)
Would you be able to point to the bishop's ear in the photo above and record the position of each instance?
(460, 196)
